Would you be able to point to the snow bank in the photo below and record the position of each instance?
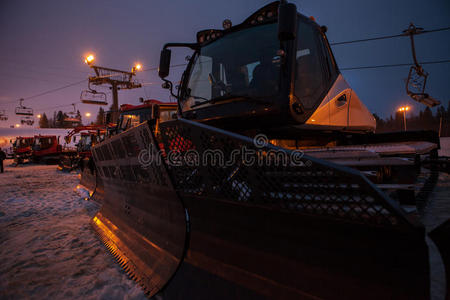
(47, 247)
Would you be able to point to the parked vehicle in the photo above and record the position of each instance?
(313, 210)
(46, 149)
(22, 150)
(87, 137)
(151, 111)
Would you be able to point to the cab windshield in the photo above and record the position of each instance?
(85, 143)
(42, 143)
(313, 66)
(23, 142)
(240, 64)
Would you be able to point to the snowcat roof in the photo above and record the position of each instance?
(148, 104)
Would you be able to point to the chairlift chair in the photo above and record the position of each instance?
(21, 110)
(91, 96)
(3, 116)
(72, 116)
(417, 76)
(27, 120)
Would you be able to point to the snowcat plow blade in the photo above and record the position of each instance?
(90, 180)
(441, 237)
(142, 220)
(305, 229)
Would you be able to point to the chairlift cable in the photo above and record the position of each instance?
(178, 65)
(394, 65)
(49, 91)
(386, 37)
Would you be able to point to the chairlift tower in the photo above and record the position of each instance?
(116, 79)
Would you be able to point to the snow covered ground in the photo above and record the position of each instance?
(47, 247)
(49, 251)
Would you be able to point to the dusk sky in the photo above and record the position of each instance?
(43, 44)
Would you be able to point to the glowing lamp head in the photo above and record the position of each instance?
(38, 116)
(89, 59)
(137, 67)
(17, 125)
(88, 114)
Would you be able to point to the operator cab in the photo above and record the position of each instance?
(22, 143)
(153, 111)
(43, 142)
(87, 140)
(255, 76)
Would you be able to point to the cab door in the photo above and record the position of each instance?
(339, 108)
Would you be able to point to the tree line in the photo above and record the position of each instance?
(424, 120)
(66, 120)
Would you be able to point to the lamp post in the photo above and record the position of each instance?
(404, 109)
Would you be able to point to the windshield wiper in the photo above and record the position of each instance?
(228, 97)
(188, 94)
(198, 97)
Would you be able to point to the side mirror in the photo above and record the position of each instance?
(165, 85)
(287, 21)
(164, 63)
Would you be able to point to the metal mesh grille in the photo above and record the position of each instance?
(106, 172)
(131, 146)
(310, 186)
(119, 151)
(118, 156)
(106, 154)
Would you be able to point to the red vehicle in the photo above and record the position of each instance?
(22, 149)
(46, 148)
(89, 136)
(158, 111)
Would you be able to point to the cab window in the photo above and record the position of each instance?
(311, 73)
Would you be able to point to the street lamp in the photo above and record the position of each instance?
(38, 116)
(89, 59)
(88, 114)
(404, 109)
(137, 67)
